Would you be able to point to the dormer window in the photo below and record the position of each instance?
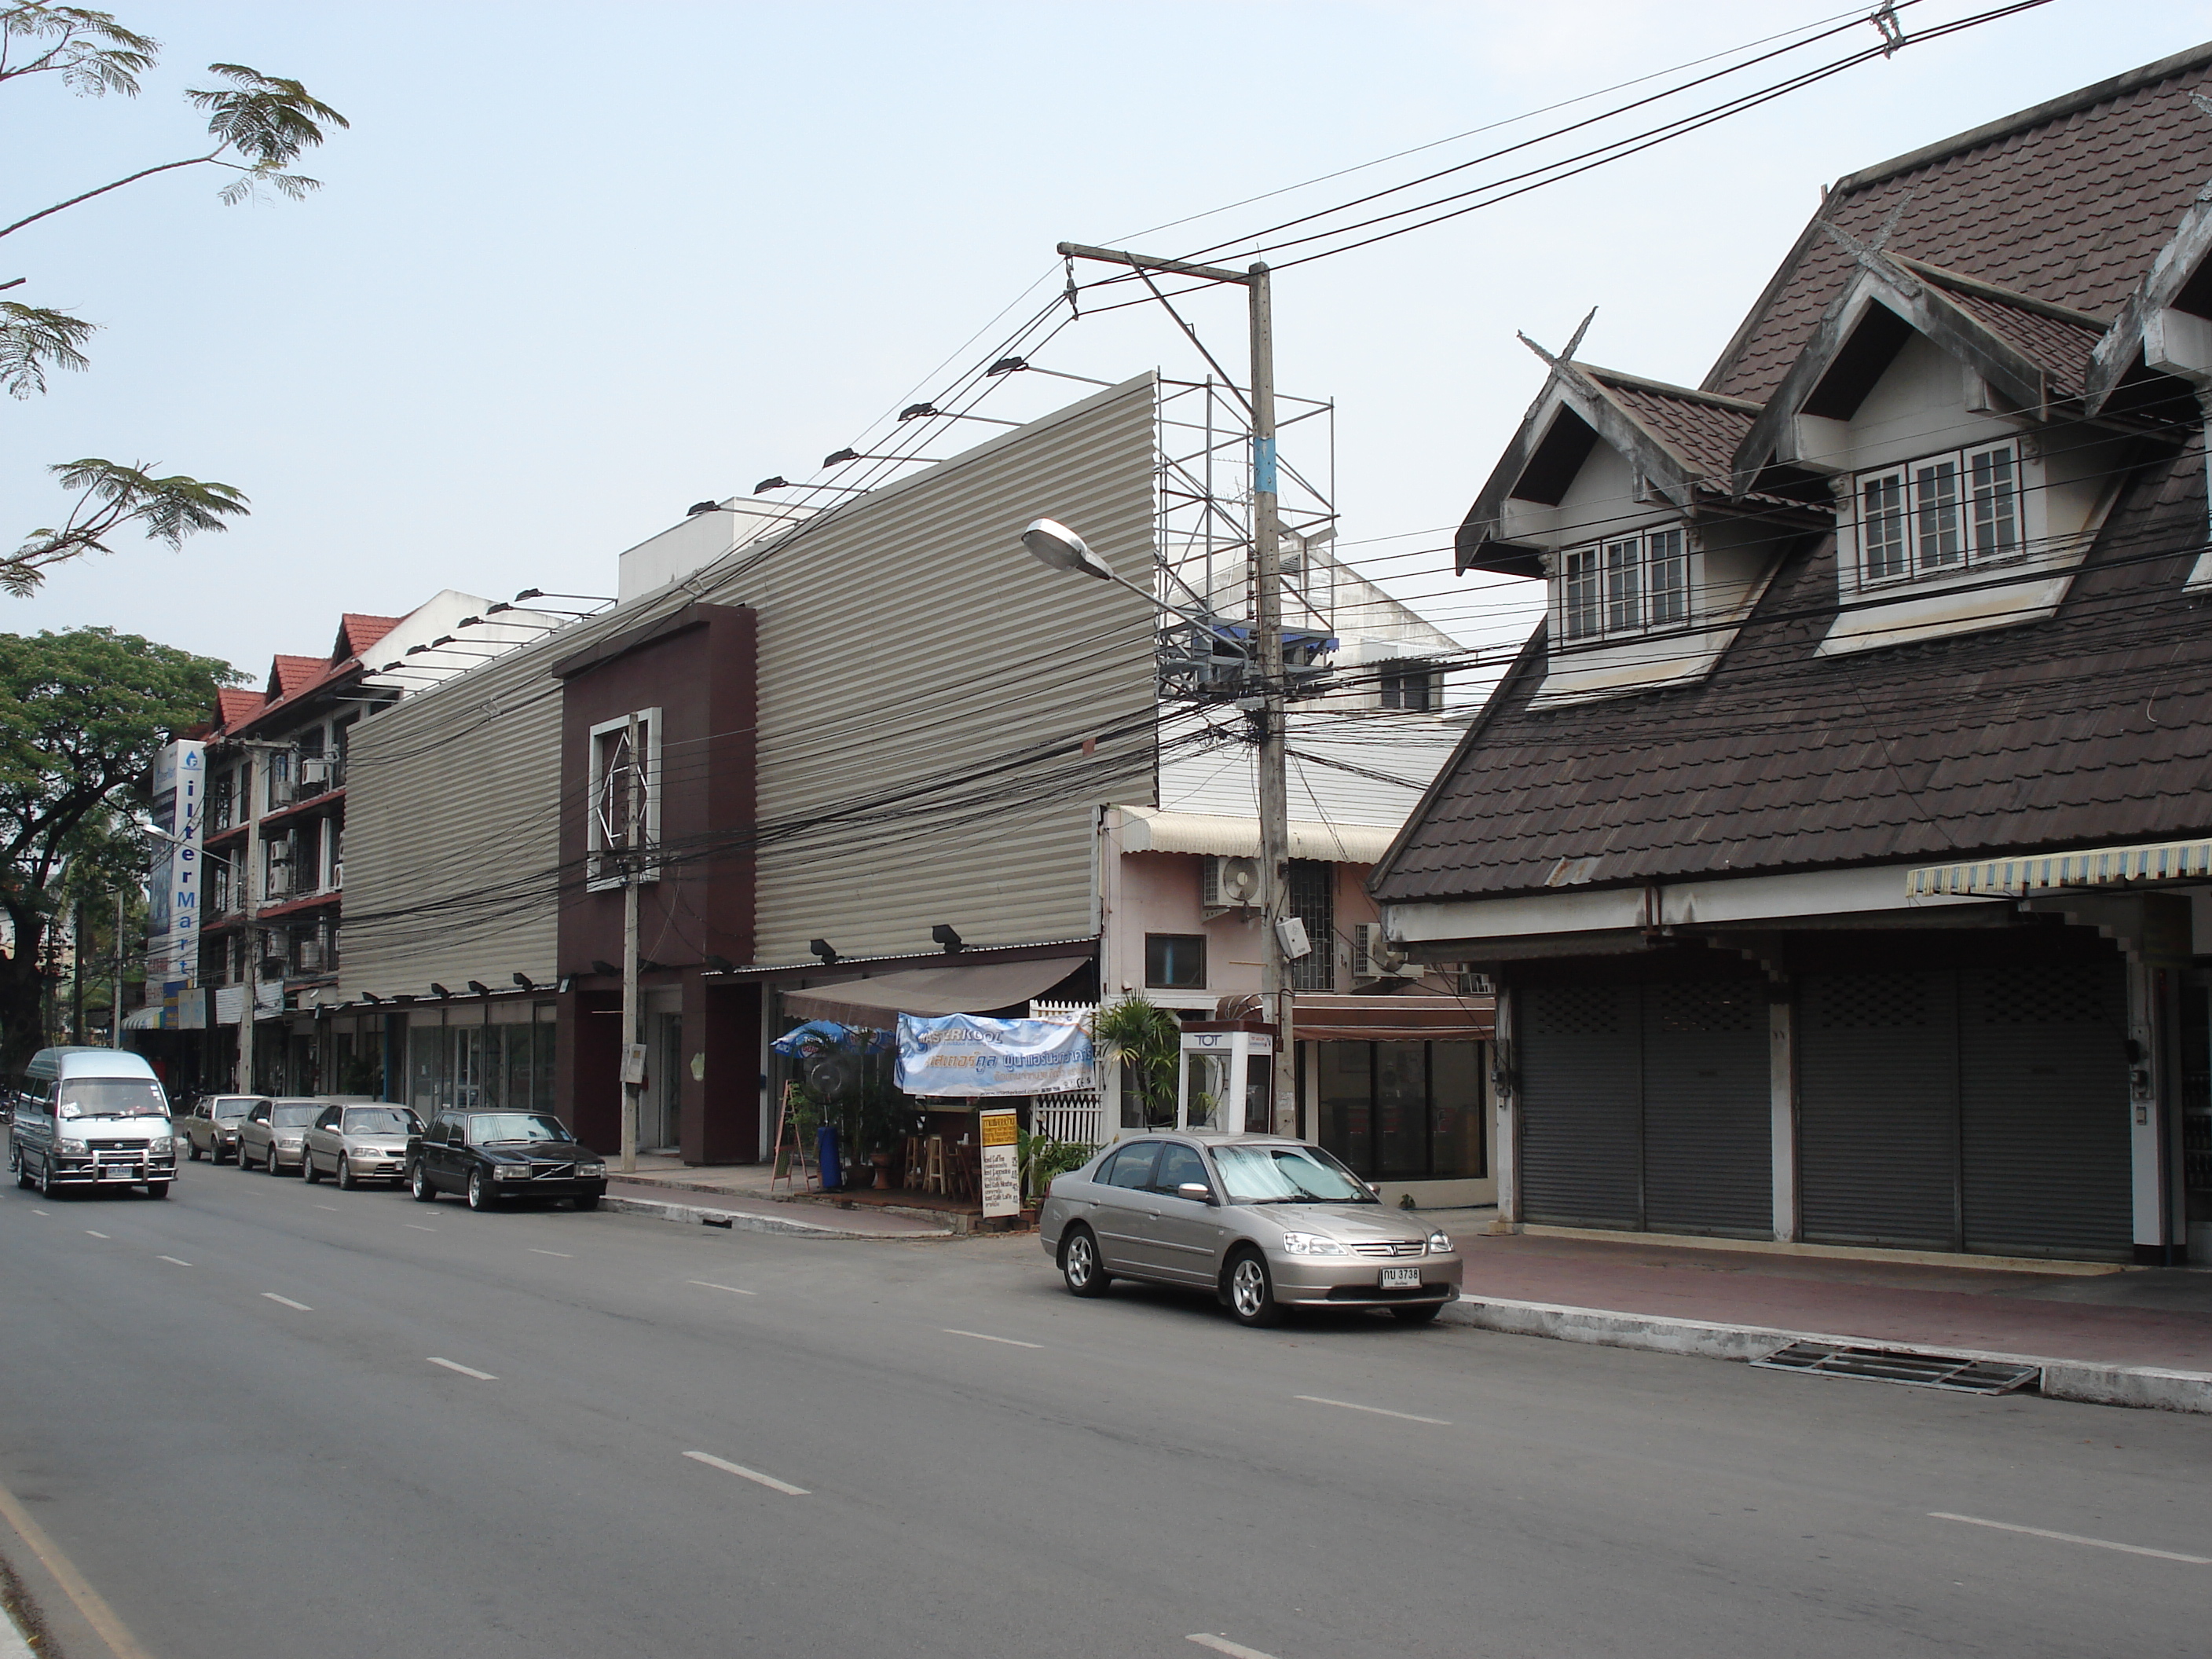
(1940, 515)
(1625, 585)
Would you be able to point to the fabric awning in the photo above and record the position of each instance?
(1318, 1019)
(1148, 830)
(972, 989)
(2097, 866)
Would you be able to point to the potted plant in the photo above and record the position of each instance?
(1145, 1040)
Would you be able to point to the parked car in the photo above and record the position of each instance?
(270, 1135)
(211, 1128)
(357, 1143)
(490, 1156)
(87, 1116)
(1263, 1222)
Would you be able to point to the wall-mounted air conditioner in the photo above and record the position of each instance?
(1375, 955)
(1229, 884)
(314, 774)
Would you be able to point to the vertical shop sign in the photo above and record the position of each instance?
(172, 898)
(1002, 1172)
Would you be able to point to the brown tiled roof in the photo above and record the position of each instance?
(357, 632)
(234, 706)
(2068, 203)
(289, 676)
(1703, 429)
(2059, 342)
(2091, 727)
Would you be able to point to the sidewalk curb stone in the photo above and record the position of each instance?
(2142, 1386)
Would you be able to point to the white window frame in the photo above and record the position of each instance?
(1622, 585)
(603, 872)
(1944, 523)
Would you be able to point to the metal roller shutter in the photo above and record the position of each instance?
(1877, 1118)
(1581, 1151)
(2044, 1110)
(1708, 1135)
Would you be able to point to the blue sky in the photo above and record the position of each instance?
(576, 267)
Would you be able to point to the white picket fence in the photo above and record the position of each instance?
(1074, 1115)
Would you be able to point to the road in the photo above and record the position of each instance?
(268, 1420)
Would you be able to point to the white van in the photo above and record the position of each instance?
(91, 1116)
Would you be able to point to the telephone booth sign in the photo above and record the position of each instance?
(1226, 1078)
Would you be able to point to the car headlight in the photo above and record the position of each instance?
(1311, 1245)
(510, 1172)
(590, 1168)
(163, 1143)
(1439, 1243)
(70, 1143)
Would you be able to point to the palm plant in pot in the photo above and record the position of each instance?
(1145, 1040)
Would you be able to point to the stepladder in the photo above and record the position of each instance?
(793, 1161)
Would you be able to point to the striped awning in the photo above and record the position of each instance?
(2097, 866)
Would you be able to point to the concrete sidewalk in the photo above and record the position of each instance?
(739, 1194)
(2125, 1336)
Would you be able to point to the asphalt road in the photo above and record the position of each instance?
(251, 1451)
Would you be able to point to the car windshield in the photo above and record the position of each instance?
(112, 1097)
(499, 1128)
(296, 1117)
(229, 1111)
(1287, 1174)
(377, 1120)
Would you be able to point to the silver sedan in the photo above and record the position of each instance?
(270, 1135)
(359, 1143)
(1263, 1222)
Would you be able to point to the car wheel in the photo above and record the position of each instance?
(308, 1172)
(480, 1196)
(346, 1182)
(45, 1179)
(1251, 1292)
(157, 1189)
(244, 1162)
(418, 1183)
(587, 1201)
(23, 1176)
(272, 1165)
(191, 1152)
(1079, 1266)
(1418, 1313)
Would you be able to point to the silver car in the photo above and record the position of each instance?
(359, 1143)
(210, 1129)
(271, 1135)
(1263, 1222)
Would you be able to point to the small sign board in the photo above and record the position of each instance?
(996, 1128)
(633, 1063)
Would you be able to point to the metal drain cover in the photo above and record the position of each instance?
(1918, 1370)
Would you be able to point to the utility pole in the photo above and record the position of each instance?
(115, 1008)
(77, 973)
(633, 872)
(1268, 709)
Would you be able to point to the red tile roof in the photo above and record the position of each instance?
(289, 676)
(234, 706)
(358, 632)
(2069, 201)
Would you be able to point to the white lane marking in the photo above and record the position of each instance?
(332, 1208)
(743, 1472)
(982, 1337)
(563, 1254)
(1223, 1644)
(89, 1233)
(418, 1226)
(42, 1212)
(287, 1302)
(1372, 1411)
(2073, 1538)
(180, 1264)
(465, 1371)
(710, 1285)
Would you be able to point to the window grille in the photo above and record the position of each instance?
(1943, 514)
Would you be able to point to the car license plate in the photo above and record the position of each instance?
(117, 1172)
(1401, 1278)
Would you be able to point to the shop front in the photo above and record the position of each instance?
(1398, 1087)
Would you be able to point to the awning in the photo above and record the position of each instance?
(973, 989)
(2098, 866)
(1148, 830)
(1393, 1018)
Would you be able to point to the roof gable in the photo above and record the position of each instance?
(234, 706)
(358, 632)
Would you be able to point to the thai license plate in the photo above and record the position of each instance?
(118, 1172)
(1401, 1278)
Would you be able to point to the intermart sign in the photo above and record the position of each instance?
(173, 899)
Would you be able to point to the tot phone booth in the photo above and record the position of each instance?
(1226, 1078)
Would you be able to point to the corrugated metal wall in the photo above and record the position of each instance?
(925, 687)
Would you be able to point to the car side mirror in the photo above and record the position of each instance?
(1197, 1191)
(1374, 1188)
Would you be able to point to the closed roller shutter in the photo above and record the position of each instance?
(1581, 1156)
(1708, 1136)
(1877, 1120)
(2044, 1110)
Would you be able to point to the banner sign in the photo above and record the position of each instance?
(968, 1054)
(998, 1131)
(173, 895)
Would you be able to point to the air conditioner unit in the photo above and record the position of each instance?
(309, 952)
(314, 772)
(1376, 957)
(1229, 884)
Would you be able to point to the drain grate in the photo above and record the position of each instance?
(1917, 1371)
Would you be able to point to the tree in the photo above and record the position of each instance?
(261, 124)
(82, 714)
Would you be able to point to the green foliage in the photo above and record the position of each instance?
(31, 340)
(93, 53)
(268, 120)
(1147, 1039)
(112, 496)
(1041, 1157)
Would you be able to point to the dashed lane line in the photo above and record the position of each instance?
(89, 1233)
(418, 1226)
(710, 1285)
(332, 1208)
(563, 1254)
(287, 1302)
(2075, 1538)
(744, 1473)
(180, 1264)
(981, 1336)
(465, 1371)
(1207, 1638)
(1372, 1411)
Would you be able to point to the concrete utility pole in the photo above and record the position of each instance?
(115, 1008)
(1268, 709)
(633, 872)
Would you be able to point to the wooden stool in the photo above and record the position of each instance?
(932, 1171)
(914, 1164)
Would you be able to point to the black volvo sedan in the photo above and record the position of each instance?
(491, 1156)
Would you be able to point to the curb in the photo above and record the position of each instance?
(746, 1221)
(2142, 1386)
